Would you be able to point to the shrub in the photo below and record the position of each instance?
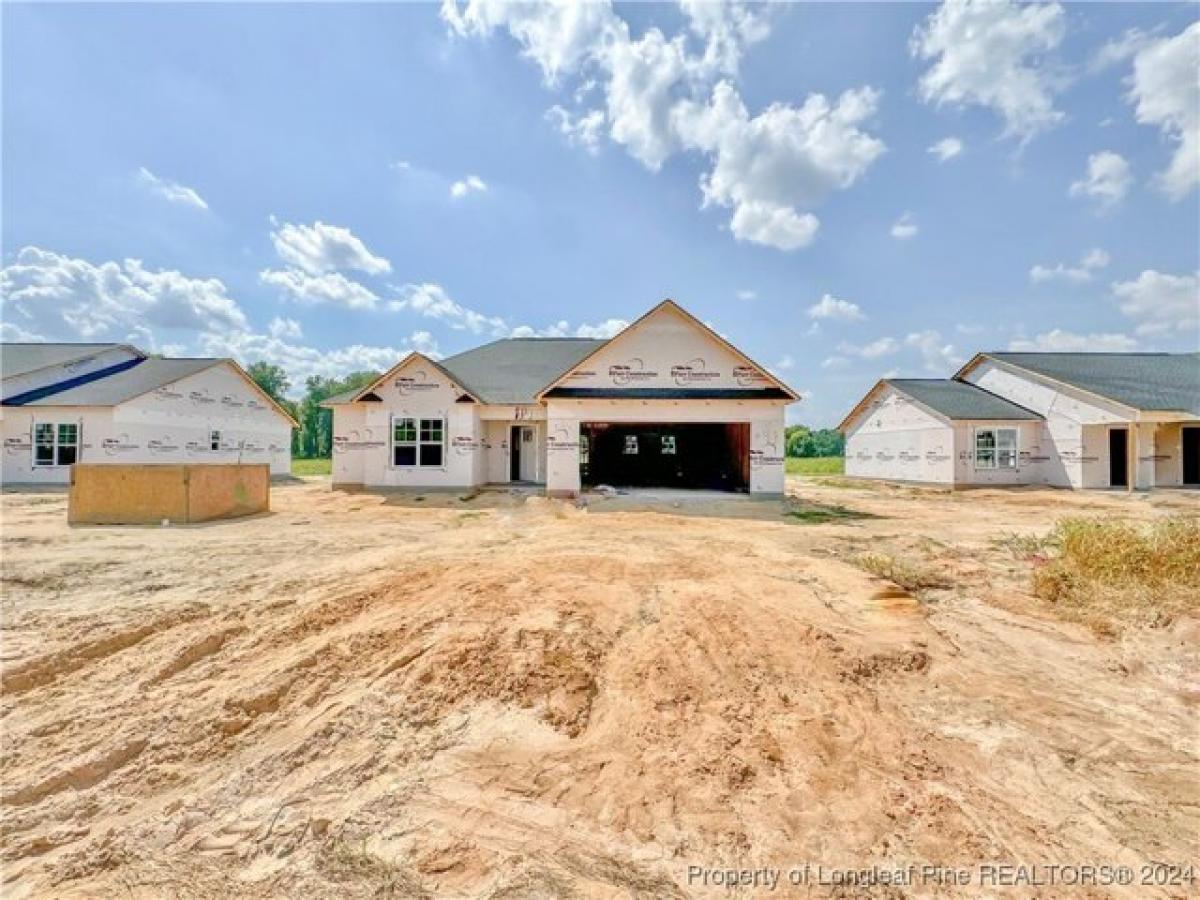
(910, 576)
(1109, 571)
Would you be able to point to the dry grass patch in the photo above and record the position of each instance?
(911, 576)
(1106, 573)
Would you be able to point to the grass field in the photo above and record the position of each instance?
(312, 466)
(815, 465)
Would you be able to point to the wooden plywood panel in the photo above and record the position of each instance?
(107, 494)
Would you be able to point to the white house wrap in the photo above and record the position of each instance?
(667, 402)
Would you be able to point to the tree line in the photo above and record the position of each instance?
(314, 438)
(801, 440)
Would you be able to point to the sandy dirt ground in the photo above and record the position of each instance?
(364, 696)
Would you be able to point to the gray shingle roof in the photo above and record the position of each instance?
(17, 359)
(1144, 381)
(959, 400)
(146, 376)
(513, 370)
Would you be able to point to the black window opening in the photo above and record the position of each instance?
(1191, 456)
(418, 442)
(701, 456)
(55, 444)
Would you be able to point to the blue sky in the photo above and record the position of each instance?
(844, 191)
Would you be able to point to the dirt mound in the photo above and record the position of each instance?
(523, 703)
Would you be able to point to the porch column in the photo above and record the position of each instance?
(1144, 451)
(562, 457)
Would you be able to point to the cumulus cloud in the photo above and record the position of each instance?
(171, 190)
(937, 354)
(831, 307)
(987, 53)
(300, 361)
(1067, 342)
(1107, 181)
(885, 346)
(659, 99)
(1078, 274)
(432, 300)
(285, 328)
(746, 294)
(584, 130)
(60, 297)
(1161, 303)
(330, 287)
(946, 148)
(320, 248)
(468, 185)
(771, 166)
(905, 227)
(601, 330)
(1165, 92)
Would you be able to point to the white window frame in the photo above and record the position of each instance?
(416, 424)
(631, 445)
(996, 448)
(56, 444)
(214, 439)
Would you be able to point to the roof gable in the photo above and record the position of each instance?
(412, 358)
(148, 375)
(23, 358)
(668, 349)
(1152, 382)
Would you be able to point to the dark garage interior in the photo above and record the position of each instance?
(700, 456)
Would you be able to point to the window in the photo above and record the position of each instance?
(55, 445)
(996, 448)
(432, 436)
(631, 445)
(214, 440)
(668, 445)
(418, 442)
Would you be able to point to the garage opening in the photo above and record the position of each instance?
(706, 456)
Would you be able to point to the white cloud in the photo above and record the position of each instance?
(601, 330)
(747, 295)
(285, 328)
(882, 347)
(584, 130)
(834, 362)
(54, 295)
(432, 301)
(332, 287)
(946, 148)
(320, 248)
(785, 363)
(299, 361)
(769, 169)
(987, 53)
(472, 183)
(1107, 181)
(606, 329)
(1120, 49)
(937, 355)
(1165, 91)
(1083, 272)
(905, 227)
(1066, 342)
(171, 190)
(1161, 303)
(830, 307)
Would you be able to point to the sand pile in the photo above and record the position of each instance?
(356, 698)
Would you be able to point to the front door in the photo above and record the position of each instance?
(1191, 456)
(514, 453)
(527, 467)
(1118, 457)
